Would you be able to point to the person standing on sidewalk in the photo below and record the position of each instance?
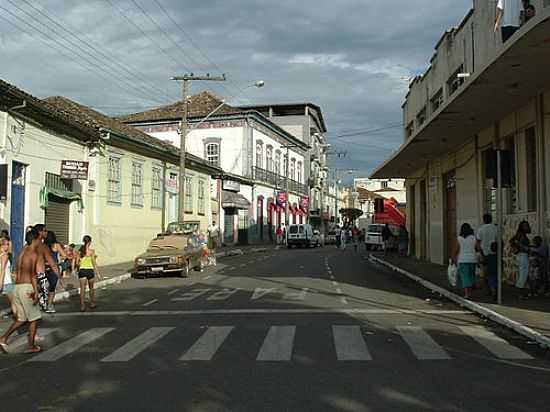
(486, 236)
(26, 294)
(466, 258)
(87, 272)
(403, 241)
(520, 244)
(386, 238)
(279, 235)
(57, 253)
(213, 242)
(7, 285)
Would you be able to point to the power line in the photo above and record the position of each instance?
(110, 60)
(360, 132)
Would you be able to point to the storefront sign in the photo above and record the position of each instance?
(172, 183)
(231, 185)
(74, 169)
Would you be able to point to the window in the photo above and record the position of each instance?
(259, 154)
(269, 158)
(213, 153)
(137, 184)
(437, 100)
(156, 188)
(421, 117)
(531, 165)
(409, 130)
(201, 197)
(278, 162)
(384, 184)
(285, 165)
(114, 184)
(455, 82)
(293, 169)
(299, 172)
(188, 204)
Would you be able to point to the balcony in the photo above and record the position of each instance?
(278, 181)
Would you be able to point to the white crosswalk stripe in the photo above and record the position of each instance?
(278, 344)
(494, 344)
(208, 344)
(71, 345)
(22, 340)
(349, 344)
(137, 345)
(422, 344)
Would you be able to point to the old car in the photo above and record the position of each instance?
(176, 251)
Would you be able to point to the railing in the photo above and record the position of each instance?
(275, 179)
(54, 181)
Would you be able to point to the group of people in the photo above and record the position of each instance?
(402, 240)
(473, 249)
(511, 15)
(29, 284)
(349, 234)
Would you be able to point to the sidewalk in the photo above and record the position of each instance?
(532, 313)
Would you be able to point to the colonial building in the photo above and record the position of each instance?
(478, 95)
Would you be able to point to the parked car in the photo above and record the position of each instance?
(373, 237)
(303, 235)
(175, 251)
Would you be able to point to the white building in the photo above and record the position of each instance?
(386, 188)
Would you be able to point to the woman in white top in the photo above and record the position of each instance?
(465, 256)
(7, 282)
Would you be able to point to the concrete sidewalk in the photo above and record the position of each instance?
(529, 317)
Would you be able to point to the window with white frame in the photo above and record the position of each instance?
(285, 165)
(156, 188)
(299, 171)
(137, 184)
(277, 162)
(114, 184)
(384, 184)
(259, 154)
(188, 204)
(269, 158)
(213, 153)
(201, 197)
(293, 169)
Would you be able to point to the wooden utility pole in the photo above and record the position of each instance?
(186, 78)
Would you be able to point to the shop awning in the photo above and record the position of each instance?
(234, 200)
(63, 194)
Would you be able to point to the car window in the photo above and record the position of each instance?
(375, 229)
(301, 229)
(293, 229)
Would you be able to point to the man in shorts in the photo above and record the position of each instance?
(26, 295)
(46, 284)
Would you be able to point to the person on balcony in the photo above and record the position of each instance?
(528, 12)
(508, 17)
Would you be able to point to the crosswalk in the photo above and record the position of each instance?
(348, 343)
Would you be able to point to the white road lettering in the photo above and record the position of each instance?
(223, 294)
(188, 296)
(296, 295)
(261, 292)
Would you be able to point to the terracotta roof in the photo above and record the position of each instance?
(387, 189)
(365, 194)
(200, 105)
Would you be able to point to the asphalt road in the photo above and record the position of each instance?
(289, 330)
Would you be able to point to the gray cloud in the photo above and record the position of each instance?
(348, 56)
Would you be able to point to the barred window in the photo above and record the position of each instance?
(137, 184)
(269, 158)
(213, 153)
(156, 188)
(299, 170)
(259, 154)
(278, 162)
(201, 197)
(292, 169)
(114, 184)
(188, 194)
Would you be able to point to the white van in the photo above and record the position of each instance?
(302, 235)
(373, 237)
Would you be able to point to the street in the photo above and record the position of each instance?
(287, 330)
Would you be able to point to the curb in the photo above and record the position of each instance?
(481, 310)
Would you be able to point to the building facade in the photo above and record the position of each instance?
(478, 95)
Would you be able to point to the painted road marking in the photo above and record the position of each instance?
(172, 292)
(261, 292)
(494, 344)
(150, 302)
(71, 345)
(278, 344)
(189, 296)
(350, 344)
(339, 291)
(137, 345)
(22, 340)
(422, 344)
(208, 344)
(344, 300)
(223, 294)
(207, 277)
(296, 295)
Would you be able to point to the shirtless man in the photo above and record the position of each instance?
(26, 294)
(43, 250)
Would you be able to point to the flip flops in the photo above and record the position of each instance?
(36, 349)
(4, 347)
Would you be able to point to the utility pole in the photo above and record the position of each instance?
(186, 78)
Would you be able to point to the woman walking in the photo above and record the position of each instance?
(520, 244)
(466, 258)
(58, 255)
(7, 280)
(87, 272)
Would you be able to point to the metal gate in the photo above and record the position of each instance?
(57, 218)
(243, 227)
(17, 215)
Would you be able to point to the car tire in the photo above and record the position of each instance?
(185, 270)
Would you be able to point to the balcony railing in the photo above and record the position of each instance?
(275, 179)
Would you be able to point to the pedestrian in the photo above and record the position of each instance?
(47, 259)
(87, 272)
(486, 236)
(491, 269)
(279, 235)
(386, 238)
(520, 244)
(70, 260)
(26, 294)
(338, 233)
(538, 266)
(508, 18)
(213, 242)
(5, 235)
(403, 240)
(355, 234)
(7, 285)
(58, 255)
(529, 11)
(465, 257)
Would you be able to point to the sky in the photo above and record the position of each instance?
(353, 58)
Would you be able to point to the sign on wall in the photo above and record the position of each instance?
(231, 186)
(74, 169)
(172, 182)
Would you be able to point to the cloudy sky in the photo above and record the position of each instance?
(351, 57)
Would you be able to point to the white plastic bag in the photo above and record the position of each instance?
(452, 271)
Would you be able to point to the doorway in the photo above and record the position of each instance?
(423, 221)
(449, 181)
(17, 215)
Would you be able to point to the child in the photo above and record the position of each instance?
(538, 264)
(491, 261)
